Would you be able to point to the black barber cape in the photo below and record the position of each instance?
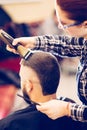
(31, 119)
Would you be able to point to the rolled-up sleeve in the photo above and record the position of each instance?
(79, 112)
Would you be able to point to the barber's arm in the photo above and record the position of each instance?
(57, 108)
(79, 112)
(27, 42)
(59, 45)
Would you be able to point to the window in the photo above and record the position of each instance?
(17, 1)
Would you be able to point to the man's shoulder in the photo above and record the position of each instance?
(29, 110)
(28, 117)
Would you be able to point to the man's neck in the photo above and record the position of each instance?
(46, 98)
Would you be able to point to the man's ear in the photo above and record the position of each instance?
(29, 86)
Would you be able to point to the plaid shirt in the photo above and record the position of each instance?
(66, 46)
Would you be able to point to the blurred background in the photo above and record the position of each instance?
(28, 10)
(30, 18)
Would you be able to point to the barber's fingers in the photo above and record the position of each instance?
(24, 41)
(17, 41)
(11, 49)
(14, 43)
(42, 107)
(45, 110)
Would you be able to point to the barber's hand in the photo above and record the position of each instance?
(27, 42)
(55, 108)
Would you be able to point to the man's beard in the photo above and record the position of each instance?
(26, 97)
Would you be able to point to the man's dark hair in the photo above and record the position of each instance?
(47, 69)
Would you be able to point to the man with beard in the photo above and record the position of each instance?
(40, 75)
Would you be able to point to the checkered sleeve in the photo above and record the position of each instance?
(60, 45)
(79, 112)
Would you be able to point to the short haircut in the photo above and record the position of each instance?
(47, 69)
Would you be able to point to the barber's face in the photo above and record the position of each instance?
(63, 20)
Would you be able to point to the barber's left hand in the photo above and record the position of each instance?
(55, 108)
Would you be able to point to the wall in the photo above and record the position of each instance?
(28, 12)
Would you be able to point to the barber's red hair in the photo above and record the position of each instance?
(76, 9)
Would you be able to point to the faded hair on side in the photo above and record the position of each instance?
(47, 69)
